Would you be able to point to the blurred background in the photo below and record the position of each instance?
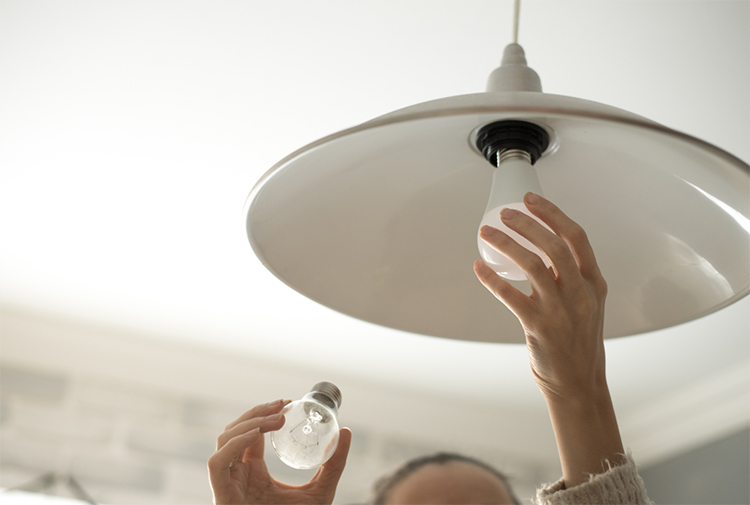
(135, 321)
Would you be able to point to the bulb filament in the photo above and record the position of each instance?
(306, 432)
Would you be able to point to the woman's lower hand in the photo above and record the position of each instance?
(238, 473)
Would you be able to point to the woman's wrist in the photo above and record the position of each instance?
(583, 393)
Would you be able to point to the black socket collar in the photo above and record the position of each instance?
(503, 135)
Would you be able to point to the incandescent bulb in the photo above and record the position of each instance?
(513, 178)
(311, 432)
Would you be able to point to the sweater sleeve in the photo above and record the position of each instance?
(620, 484)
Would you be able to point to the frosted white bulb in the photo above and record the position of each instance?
(310, 434)
(512, 179)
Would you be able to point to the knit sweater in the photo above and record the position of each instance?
(620, 484)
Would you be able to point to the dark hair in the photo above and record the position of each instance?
(385, 485)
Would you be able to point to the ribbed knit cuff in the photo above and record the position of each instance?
(619, 485)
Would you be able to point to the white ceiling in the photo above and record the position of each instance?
(131, 133)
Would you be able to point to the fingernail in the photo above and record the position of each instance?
(488, 231)
(274, 417)
(508, 213)
(532, 199)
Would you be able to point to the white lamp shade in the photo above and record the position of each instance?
(379, 221)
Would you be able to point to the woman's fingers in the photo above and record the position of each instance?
(515, 300)
(327, 477)
(271, 422)
(232, 450)
(532, 265)
(553, 246)
(570, 231)
(329, 474)
(262, 410)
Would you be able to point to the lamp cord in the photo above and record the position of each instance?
(516, 15)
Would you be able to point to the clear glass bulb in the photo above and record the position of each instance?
(513, 178)
(310, 434)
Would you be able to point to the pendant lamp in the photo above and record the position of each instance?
(380, 221)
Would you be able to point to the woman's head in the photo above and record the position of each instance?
(444, 478)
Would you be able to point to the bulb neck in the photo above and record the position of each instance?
(327, 394)
(512, 179)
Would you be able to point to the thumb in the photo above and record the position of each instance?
(329, 474)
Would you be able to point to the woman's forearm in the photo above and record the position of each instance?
(588, 438)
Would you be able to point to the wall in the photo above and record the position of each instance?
(715, 473)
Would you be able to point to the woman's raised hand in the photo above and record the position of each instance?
(563, 319)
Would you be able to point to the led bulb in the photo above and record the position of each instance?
(311, 432)
(513, 178)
